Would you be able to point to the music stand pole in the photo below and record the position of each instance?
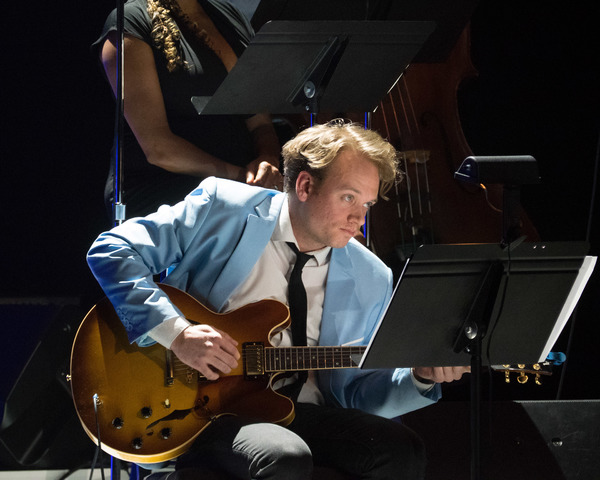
(476, 411)
(118, 205)
(469, 339)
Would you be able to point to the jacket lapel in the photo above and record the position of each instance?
(256, 235)
(341, 300)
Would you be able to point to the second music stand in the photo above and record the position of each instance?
(321, 66)
(480, 305)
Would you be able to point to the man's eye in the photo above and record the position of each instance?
(348, 198)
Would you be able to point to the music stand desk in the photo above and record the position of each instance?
(351, 65)
(539, 286)
(479, 305)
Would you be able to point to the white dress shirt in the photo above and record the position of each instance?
(269, 278)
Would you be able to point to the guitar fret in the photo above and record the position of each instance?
(336, 358)
(289, 365)
(300, 365)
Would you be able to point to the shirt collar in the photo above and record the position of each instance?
(284, 233)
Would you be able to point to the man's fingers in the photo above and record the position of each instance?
(266, 176)
(441, 374)
(229, 345)
(212, 367)
(207, 350)
(208, 373)
(450, 374)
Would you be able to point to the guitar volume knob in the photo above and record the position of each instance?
(118, 423)
(165, 433)
(137, 443)
(146, 412)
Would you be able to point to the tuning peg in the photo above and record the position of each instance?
(506, 373)
(522, 378)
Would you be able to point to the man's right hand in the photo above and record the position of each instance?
(206, 349)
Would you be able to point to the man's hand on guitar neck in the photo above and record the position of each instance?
(206, 349)
(439, 374)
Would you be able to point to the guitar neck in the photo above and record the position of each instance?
(260, 360)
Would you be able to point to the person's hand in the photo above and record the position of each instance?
(262, 173)
(206, 349)
(439, 374)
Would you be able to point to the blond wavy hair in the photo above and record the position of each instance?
(166, 35)
(314, 149)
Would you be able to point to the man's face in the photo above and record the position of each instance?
(330, 212)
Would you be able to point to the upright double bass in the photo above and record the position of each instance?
(420, 117)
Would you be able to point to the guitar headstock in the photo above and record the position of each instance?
(537, 369)
(523, 371)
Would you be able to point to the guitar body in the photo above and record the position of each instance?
(143, 405)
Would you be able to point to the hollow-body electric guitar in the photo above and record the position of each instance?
(143, 405)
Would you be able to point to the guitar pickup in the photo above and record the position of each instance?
(253, 354)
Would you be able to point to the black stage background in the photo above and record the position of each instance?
(537, 93)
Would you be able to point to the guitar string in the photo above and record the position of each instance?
(299, 357)
(291, 361)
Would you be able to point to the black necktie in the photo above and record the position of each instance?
(298, 308)
(297, 297)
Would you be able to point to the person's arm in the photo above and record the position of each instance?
(203, 347)
(125, 260)
(264, 170)
(146, 115)
(207, 349)
(431, 375)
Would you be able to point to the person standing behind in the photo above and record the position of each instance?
(173, 50)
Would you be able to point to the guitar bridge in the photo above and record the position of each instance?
(169, 369)
(253, 355)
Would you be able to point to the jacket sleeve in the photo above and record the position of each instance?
(125, 259)
(388, 393)
(385, 392)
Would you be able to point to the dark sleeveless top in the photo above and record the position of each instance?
(145, 187)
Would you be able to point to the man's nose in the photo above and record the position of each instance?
(359, 215)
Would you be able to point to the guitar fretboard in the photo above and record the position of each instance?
(281, 359)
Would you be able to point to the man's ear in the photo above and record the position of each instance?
(304, 185)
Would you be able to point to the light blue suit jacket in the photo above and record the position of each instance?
(211, 241)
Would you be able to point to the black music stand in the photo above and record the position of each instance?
(450, 18)
(480, 305)
(321, 66)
